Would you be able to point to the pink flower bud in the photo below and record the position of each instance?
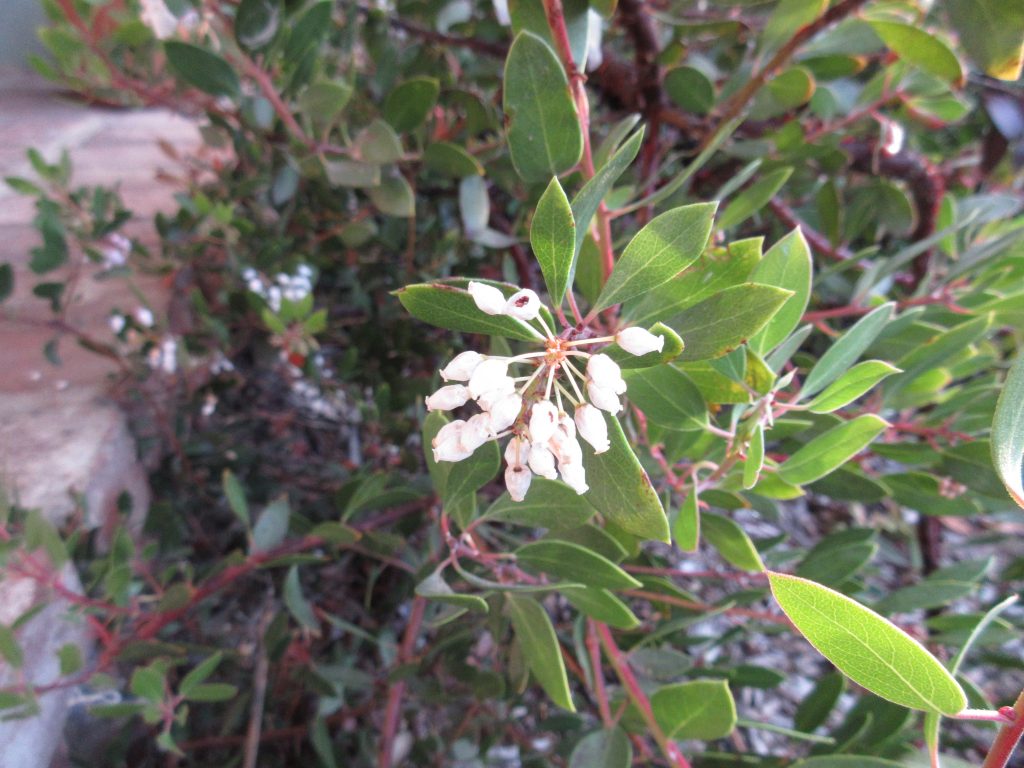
(543, 421)
(603, 398)
(542, 461)
(605, 372)
(489, 375)
(637, 341)
(487, 298)
(592, 426)
(517, 480)
(523, 304)
(447, 398)
(462, 367)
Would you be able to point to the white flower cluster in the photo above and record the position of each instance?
(544, 437)
(114, 250)
(293, 288)
(164, 357)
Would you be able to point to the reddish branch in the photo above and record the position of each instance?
(393, 710)
(1007, 739)
(621, 666)
(815, 239)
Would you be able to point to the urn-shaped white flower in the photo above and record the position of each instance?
(446, 398)
(524, 304)
(517, 473)
(638, 341)
(462, 366)
(592, 427)
(488, 299)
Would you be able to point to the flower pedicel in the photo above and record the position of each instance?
(519, 403)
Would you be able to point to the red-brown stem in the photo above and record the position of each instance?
(738, 103)
(556, 22)
(621, 666)
(269, 91)
(600, 693)
(1007, 738)
(945, 299)
(393, 710)
(815, 239)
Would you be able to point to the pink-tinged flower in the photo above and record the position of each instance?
(517, 480)
(543, 421)
(505, 411)
(574, 476)
(447, 444)
(638, 341)
(490, 375)
(605, 373)
(462, 366)
(542, 461)
(603, 398)
(592, 427)
(476, 432)
(566, 447)
(446, 398)
(517, 452)
(524, 304)
(487, 298)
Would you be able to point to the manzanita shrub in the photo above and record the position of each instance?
(618, 382)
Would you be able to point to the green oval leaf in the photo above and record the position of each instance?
(199, 67)
(990, 31)
(544, 135)
(573, 562)
(916, 46)
(621, 490)
(536, 638)
(697, 709)
(548, 504)
(601, 605)
(452, 160)
(851, 385)
(787, 264)
(553, 239)
(846, 349)
(659, 252)
(686, 527)
(731, 541)
(722, 322)
(867, 648)
(1008, 432)
(409, 103)
(830, 450)
(667, 397)
(690, 89)
(753, 199)
(603, 749)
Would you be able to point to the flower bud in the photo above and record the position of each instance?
(523, 304)
(447, 398)
(605, 372)
(592, 426)
(542, 461)
(575, 477)
(446, 443)
(603, 398)
(487, 298)
(517, 480)
(566, 447)
(505, 411)
(543, 421)
(489, 375)
(462, 367)
(476, 432)
(637, 341)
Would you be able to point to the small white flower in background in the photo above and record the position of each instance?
(144, 317)
(115, 250)
(637, 341)
(117, 323)
(209, 405)
(530, 405)
(169, 355)
(893, 136)
(501, 12)
(157, 16)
